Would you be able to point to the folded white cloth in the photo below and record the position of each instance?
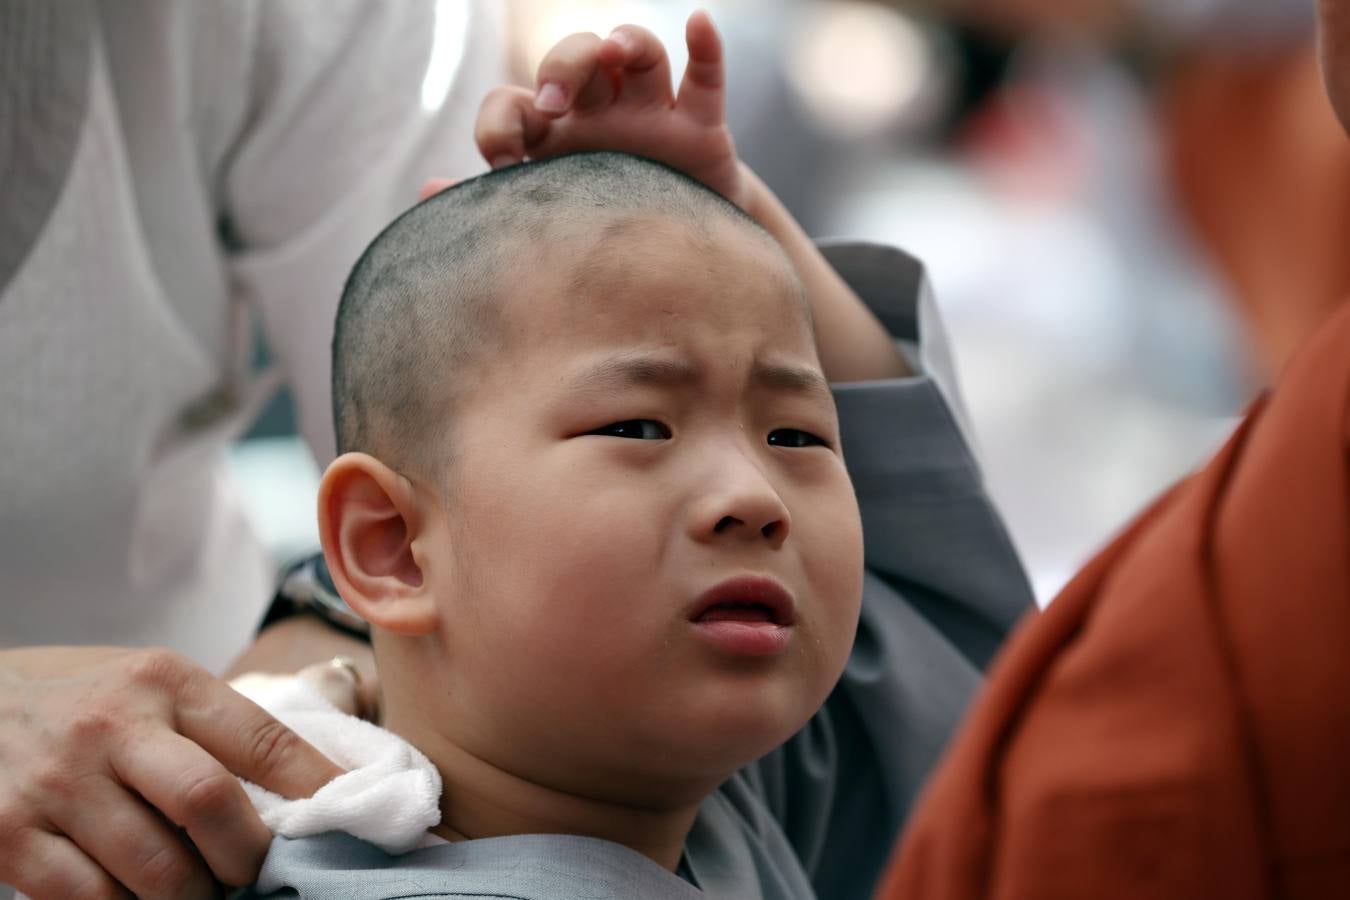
(390, 794)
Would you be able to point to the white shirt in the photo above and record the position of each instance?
(230, 160)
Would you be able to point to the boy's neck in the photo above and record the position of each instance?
(481, 800)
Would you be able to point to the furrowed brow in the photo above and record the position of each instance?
(628, 371)
(801, 380)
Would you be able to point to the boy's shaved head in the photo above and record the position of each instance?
(600, 385)
(422, 306)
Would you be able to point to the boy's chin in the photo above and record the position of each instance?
(717, 738)
(684, 771)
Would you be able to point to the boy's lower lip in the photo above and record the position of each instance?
(742, 638)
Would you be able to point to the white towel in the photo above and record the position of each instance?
(390, 794)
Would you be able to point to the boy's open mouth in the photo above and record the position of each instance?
(746, 600)
(738, 612)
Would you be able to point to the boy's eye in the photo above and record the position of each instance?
(794, 437)
(638, 429)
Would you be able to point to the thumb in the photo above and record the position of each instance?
(335, 681)
(346, 683)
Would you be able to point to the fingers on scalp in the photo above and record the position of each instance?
(642, 57)
(572, 68)
(508, 125)
(702, 88)
(637, 49)
(433, 186)
(704, 45)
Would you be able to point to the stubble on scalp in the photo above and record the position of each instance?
(422, 313)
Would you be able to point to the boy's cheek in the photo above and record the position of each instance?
(836, 575)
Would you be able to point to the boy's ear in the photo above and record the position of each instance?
(369, 523)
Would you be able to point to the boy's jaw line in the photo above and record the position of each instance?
(481, 800)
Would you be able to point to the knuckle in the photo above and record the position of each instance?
(572, 53)
(13, 822)
(94, 724)
(246, 864)
(571, 43)
(501, 95)
(166, 872)
(484, 131)
(208, 796)
(92, 887)
(16, 845)
(270, 745)
(157, 668)
(36, 875)
(53, 782)
(644, 38)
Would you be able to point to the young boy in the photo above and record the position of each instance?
(592, 500)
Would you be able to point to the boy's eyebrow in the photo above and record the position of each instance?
(662, 372)
(792, 379)
(632, 369)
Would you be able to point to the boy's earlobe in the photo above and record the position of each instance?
(369, 520)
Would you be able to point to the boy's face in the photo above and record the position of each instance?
(657, 428)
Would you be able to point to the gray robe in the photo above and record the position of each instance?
(819, 816)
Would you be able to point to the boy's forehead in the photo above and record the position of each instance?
(640, 275)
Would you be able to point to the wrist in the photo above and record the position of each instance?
(755, 198)
(307, 588)
(853, 344)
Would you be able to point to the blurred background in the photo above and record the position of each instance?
(1131, 212)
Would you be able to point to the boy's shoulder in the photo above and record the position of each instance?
(523, 867)
(734, 844)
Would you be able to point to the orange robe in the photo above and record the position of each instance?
(1177, 724)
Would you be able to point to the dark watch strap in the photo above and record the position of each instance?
(307, 587)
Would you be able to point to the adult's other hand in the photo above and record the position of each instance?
(116, 774)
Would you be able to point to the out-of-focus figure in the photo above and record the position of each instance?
(1109, 285)
(1251, 148)
(1152, 229)
(1174, 726)
(173, 176)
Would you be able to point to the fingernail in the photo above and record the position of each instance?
(550, 99)
(623, 39)
(499, 162)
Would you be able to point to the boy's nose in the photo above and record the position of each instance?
(741, 504)
(773, 530)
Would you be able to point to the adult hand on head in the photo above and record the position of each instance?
(115, 774)
(616, 94)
